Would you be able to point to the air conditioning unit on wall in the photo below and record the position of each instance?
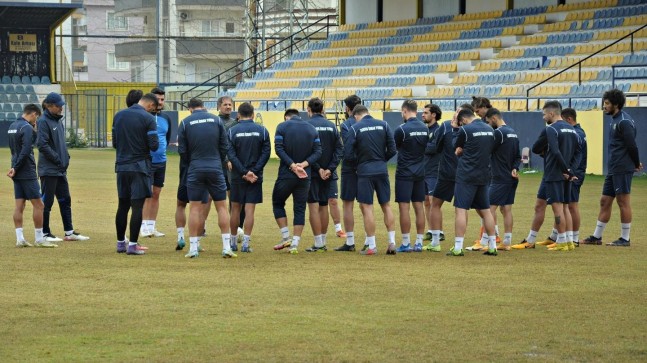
(185, 16)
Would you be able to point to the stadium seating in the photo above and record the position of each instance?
(497, 54)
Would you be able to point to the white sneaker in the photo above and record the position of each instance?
(145, 233)
(45, 244)
(75, 236)
(240, 234)
(23, 243)
(157, 233)
(52, 238)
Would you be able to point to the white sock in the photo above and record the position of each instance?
(350, 238)
(337, 227)
(576, 236)
(491, 242)
(507, 239)
(246, 240)
(285, 232)
(151, 225)
(323, 239)
(496, 229)
(435, 238)
(371, 242)
(484, 239)
(569, 236)
(193, 244)
(132, 243)
(226, 237)
(406, 239)
(419, 238)
(599, 229)
(318, 242)
(532, 236)
(458, 243)
(625, 228)
(553, 235)
(180, 232)
(19, 234)
(144, 227)
(295, 241)
(39, 234)
(391, 237)
(561, 238)
(69, 233)
(233, 239)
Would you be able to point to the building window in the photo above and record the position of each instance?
(116, 22)
(210, 28)
(229, 28)
(114, 65)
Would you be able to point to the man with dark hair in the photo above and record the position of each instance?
(560, 145)
(134, 135)
(474, 143)
(289, 113)
(158, 166)
(23, 174)
(133, 97)
(331, 153)
(505, 163)
(481, 105)
(622, 161)
(430, 116)
(53, 161)
(411, 139)
(298, 147)
(370, 145)
(348, 177)
(248, 153)
(202, 143)
(570, 116)
(442, 142)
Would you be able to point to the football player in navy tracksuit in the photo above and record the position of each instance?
(23, 174)
(322, 172)
(203, 144)
(370, 144)
(474, 144)
(134, 135)
(411, 140)
(561, 147)
(53, 161)
(297, 145)
(249, 151)
(442, 142)
(430, 116)
(622, 161)
(348, 178)
(505, 163)
(569, 115)
(158, 166)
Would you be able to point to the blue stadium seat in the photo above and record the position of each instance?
(12, 116)
(33, 98)
(19, 89)
(17, 107)
(12, 97)
(15, 79)
(6, 80)
(3, 116)
(23, 98)
(45, 80)
(2, 88)
(26, 80)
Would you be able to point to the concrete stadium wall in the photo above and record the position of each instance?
(479, 6)
(400, 10)
(361, 11)
(431, 8)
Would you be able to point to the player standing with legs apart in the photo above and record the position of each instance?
(348, 178)
(411, 141)
(202, 143)
(474, 144)
(561, 145)
(298, 147)
(322, 170)
(505, 163)
(442, 142)
(370, 144)
(158, 168)
(248, 153)
(569, 115)
(623, 161)
(53, 161)
(430, 116)
(134, 135)
(23, 173)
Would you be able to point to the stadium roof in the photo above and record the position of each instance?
(24, 15)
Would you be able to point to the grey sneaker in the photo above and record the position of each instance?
(134, 250)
